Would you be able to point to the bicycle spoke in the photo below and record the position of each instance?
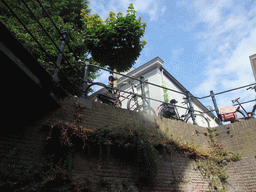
(200, 120)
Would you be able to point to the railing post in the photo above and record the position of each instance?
(191, 108)
(216, 107)
(63, 43)
(143, 94)
(85, 80)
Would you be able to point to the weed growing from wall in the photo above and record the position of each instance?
(135, 147)
(134, 144)
(213, 166)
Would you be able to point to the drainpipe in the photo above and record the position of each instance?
(162, 78)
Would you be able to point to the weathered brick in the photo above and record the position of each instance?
(175, 173)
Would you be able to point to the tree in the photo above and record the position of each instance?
(115, 42)
(66, 16)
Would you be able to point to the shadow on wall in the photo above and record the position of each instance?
(120, 148)
(125, 124)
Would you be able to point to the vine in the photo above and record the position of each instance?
(134, 144)
(165, 95)
(213, 167)
(78, 111)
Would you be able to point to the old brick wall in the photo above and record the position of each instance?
(240, 137)
(175, 172)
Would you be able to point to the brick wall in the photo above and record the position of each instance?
(176, 172)
(240, 138)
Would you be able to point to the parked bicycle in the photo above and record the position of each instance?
(169, 110)
(135, 103)
(233, 114)
(108, 95)
(243, 112)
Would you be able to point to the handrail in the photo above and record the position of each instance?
(102, 68)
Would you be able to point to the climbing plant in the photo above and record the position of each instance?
(131, 143)
(165, 95)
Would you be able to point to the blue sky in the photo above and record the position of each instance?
(204, 44)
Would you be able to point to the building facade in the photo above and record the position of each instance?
(154, 72)
(253, 64)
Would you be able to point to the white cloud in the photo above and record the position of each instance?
(150, 7)
(163, 10)
(175, 53)
(228, 39)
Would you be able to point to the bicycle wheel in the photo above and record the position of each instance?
(149, 110)
(104, 96)
(135, 104)
(94, 87)
(240, 115)
(160, 113)
(200, 120)
(118, 103)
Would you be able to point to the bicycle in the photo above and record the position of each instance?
(135, 103)
(109, 94)
(244, 113)
(169, 110)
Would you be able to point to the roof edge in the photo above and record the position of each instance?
(154, 63)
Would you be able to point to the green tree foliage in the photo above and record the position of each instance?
(115, 42)
(66, 16)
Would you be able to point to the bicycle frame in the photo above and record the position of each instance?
(240, 105)
(110, 96)
(245, 114)
(185, 116)
(177, 115)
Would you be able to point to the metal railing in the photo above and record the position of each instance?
(58, 68)
(141, 80)
(189, 96)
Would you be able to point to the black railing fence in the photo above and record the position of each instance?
(59, 73)
(70, 85)
(188, 95)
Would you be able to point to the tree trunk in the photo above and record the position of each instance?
(115, 76)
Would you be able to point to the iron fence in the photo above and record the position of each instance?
(70, 84)
(187, 94)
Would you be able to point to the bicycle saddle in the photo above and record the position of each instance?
(111, 78)
(173, 101)
(235, 100)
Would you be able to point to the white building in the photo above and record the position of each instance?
(154, 72)
(253, 63)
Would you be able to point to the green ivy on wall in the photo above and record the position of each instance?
(165, 95)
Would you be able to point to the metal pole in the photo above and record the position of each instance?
(191, 108)
(85, 77)
(143, 94)
(55, 76)
(216, 107)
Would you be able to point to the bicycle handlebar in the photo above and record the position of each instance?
(254, 87)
